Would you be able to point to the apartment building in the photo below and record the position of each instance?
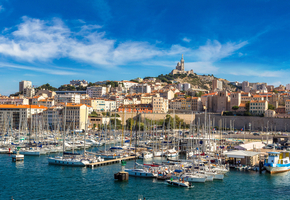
(258, 107)
(140, 88)
(287, 106)
(14, 100)
(46, 102)
(68, 98)
(191, 103)
(167, 94)
(110, 105)
(96, 91)
(24, 84)
(141, 108)
(160, 105)
(175, 104)
(13, 114)
(53, 116)
(78, 114)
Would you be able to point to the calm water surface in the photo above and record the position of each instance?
(35, 179)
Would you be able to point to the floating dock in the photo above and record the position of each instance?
(108, 162)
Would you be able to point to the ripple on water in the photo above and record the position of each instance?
(35, 179)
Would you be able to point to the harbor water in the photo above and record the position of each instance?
(33, 178)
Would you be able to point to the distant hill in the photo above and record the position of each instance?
(197, 81)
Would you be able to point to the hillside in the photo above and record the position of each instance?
(197, 81)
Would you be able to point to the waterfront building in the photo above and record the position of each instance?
(53, 116)
(12, 113)
(258, 107)
(77, 113)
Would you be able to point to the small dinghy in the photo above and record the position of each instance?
(179, 183)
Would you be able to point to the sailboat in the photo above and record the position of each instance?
(140, 172)
(71, 159)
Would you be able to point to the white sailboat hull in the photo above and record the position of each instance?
(67, 162)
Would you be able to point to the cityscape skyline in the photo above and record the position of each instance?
(245, 41)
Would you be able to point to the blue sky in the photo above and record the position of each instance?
(57, 41)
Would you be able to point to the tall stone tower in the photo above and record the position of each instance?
(182, 63)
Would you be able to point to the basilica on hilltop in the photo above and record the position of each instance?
(180, 68)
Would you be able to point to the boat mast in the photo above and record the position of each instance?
(63, 133)
(73, 149)
(136, 140)
(85, 130)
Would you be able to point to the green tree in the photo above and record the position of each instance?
(235, 108)
(271, 107)
(248, 106)
(94, 114)
(47, 86)
(94, 126)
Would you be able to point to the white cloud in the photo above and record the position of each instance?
(214, 51)
(185, 39)
(49, 70)
(40, 40)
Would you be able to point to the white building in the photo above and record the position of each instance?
(68, 98)
(28, 92)
(258, 107)
(141, 88)
(14, 100)
(110, 105)
(159, 105)
(82, 83)
(288, 86)
(24, 84)
(96, 91)
(183, 86)
(128, 84)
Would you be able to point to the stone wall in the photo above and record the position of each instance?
(238, 122)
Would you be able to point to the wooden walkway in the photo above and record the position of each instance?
(108, 162)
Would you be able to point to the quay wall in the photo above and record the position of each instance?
(238, 122)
